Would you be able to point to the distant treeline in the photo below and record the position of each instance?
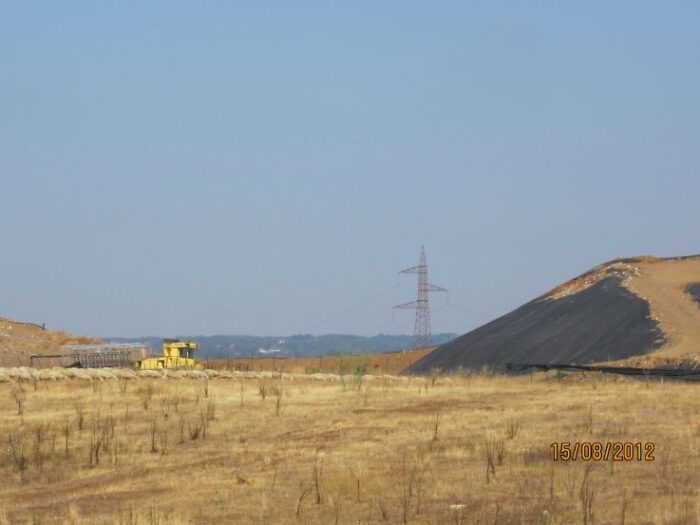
(221, 346)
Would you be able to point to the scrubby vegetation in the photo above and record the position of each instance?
(101, 448)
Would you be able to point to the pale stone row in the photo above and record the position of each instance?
(100, 374)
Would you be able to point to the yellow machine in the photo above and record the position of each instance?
(176, 354)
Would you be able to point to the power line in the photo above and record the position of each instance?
(476, 313)
(354, 308)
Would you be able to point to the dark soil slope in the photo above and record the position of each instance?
(602, 322)
(694, 291)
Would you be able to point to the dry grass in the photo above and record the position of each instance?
(436, 450)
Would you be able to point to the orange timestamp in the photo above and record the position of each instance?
(598, 451)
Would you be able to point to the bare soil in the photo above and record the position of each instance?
(19, 340)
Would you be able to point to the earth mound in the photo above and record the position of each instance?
(19, 340)
(639, 311)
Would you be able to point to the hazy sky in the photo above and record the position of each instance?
(234, 167)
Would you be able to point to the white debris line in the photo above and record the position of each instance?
(24, 373)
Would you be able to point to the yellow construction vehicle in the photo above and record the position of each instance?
(176, 354)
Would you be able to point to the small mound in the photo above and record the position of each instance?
(19, 340)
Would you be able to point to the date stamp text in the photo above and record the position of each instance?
(599, 451)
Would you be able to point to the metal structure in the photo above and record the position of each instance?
(421, 331)
(686, 374)
(97, 355)
(176, 354)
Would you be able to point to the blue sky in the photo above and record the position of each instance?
(228, 167)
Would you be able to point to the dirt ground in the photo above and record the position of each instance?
(460, 450)
(663, 285)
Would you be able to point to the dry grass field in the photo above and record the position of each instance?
(435, 450)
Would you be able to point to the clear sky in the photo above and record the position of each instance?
(266, 168)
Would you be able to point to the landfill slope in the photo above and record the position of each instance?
(642, 311)
(602, 322)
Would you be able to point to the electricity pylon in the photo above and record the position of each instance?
(421, 331)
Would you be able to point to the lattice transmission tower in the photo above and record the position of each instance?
(421, 331)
